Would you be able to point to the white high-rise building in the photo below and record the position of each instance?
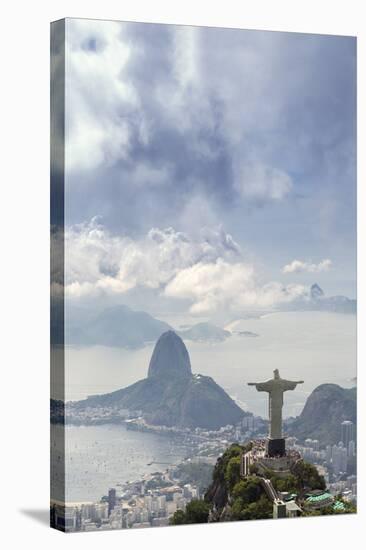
(161, 502)
(148, 502)
(100, 511)
(187, 491)
(328, 454)
(177, 496)
(347, 432)
(351, 448)
(339, 458)
(155, 505)
(195, 492)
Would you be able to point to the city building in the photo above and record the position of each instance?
(351, 448)
(347, 432)
(315, 500)
(339, 458)
(111, 500)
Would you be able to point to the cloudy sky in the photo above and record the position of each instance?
(208, 169)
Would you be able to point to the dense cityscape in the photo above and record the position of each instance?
(154, 499)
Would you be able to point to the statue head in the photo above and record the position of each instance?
(276, 373)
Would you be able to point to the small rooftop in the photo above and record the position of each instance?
(319, 498)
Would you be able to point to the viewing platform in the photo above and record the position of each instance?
(257, 461)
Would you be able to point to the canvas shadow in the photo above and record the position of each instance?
(41, 515)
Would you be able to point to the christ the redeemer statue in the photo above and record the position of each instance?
(275, 387)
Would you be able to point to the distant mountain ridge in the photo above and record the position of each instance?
(318, 301)
(117, 326)
(204, 332)
(316, 292)
(324, 411)
(171, 395)
(121, 326)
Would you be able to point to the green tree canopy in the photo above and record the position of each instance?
(249, 489)
(308, 476)
(197, 511)
(232, 472)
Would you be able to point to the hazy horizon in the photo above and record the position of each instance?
(317, 347)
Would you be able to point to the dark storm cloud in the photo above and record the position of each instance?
(191, 126)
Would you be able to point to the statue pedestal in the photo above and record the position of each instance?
(280, 465)
(275, 447)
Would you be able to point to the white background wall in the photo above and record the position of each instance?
(24, 253)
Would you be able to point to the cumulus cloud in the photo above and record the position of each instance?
(299, 266)
(221, 285)
(97, 261)
(207, 269)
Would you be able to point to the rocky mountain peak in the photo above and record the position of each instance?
(316, 292)
(171, 395)
(170, 357)
(325, 409)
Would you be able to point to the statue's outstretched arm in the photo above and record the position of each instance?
(261, 386)
(289, 385)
